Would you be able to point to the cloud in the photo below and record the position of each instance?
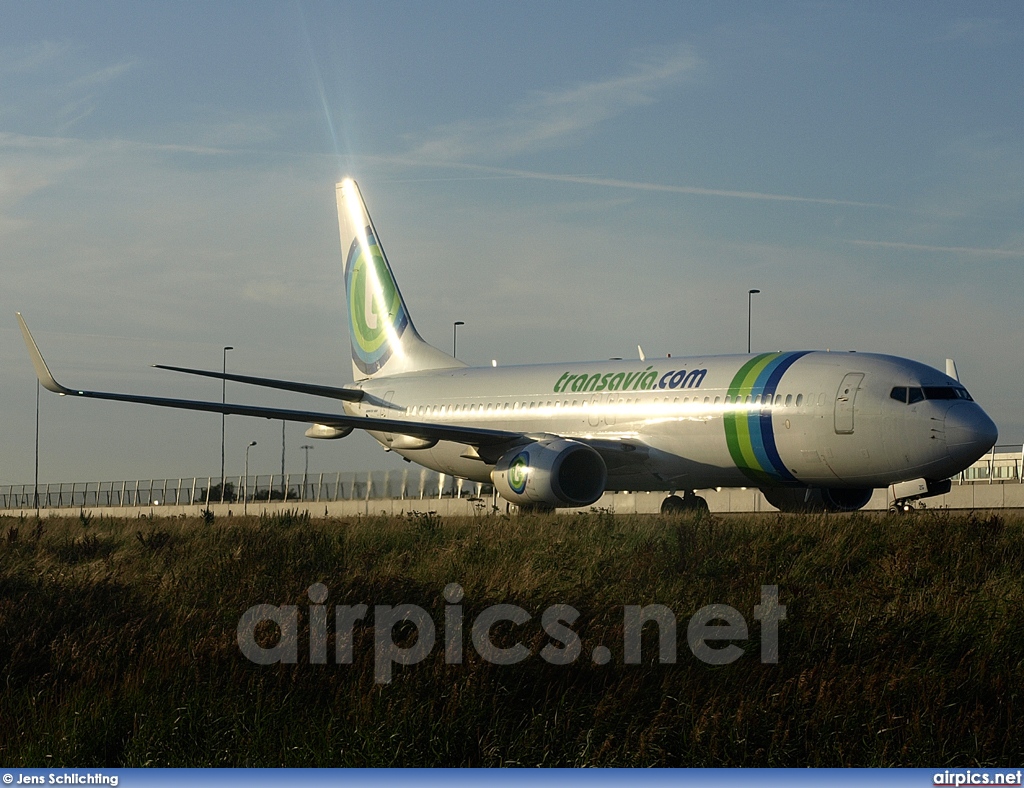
(552, 117)
(31, 57)
(53, 84)
(101, 76)
(979, 31)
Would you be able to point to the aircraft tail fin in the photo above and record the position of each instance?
(384, 340)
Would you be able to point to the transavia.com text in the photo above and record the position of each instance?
(710, 633)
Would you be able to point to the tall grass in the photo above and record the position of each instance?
(903, 642)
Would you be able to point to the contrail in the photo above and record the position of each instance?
(947, 249)
(615, 183)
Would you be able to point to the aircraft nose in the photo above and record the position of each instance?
(969, 432)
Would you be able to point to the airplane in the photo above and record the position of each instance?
(813, 430)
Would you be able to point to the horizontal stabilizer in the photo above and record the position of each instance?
(333, 392)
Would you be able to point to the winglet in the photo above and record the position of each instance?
(42, 371)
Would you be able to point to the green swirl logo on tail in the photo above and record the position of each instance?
(377, 316)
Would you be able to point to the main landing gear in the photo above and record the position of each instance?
(689, 503)
(905, 507)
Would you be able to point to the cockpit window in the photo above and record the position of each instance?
(913, 394)
(946, 392)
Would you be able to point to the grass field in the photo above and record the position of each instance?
(903, 642)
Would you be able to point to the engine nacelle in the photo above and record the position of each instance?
(323, 432)
(555, 472)
(817, 499)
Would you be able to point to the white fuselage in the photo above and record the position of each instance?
(816, 418)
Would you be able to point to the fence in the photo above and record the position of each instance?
(1002, 464)
(204, 490)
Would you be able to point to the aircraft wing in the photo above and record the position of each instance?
(495, 440)
(489, 443)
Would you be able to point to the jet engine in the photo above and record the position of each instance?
(554, 472)
(817, 499)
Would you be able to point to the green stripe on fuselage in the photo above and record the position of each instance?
(737, 422)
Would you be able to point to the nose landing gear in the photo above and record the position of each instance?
(907, 495)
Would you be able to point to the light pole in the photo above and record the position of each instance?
(305, 447)
(750, 294)
(455, 335)
(35, 495)
(245, 480)
(223, 394)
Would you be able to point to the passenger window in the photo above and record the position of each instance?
(789, 400)
(799, 400)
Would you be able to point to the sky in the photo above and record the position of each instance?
(571, 180)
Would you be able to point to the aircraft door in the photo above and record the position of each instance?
(846, 397)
